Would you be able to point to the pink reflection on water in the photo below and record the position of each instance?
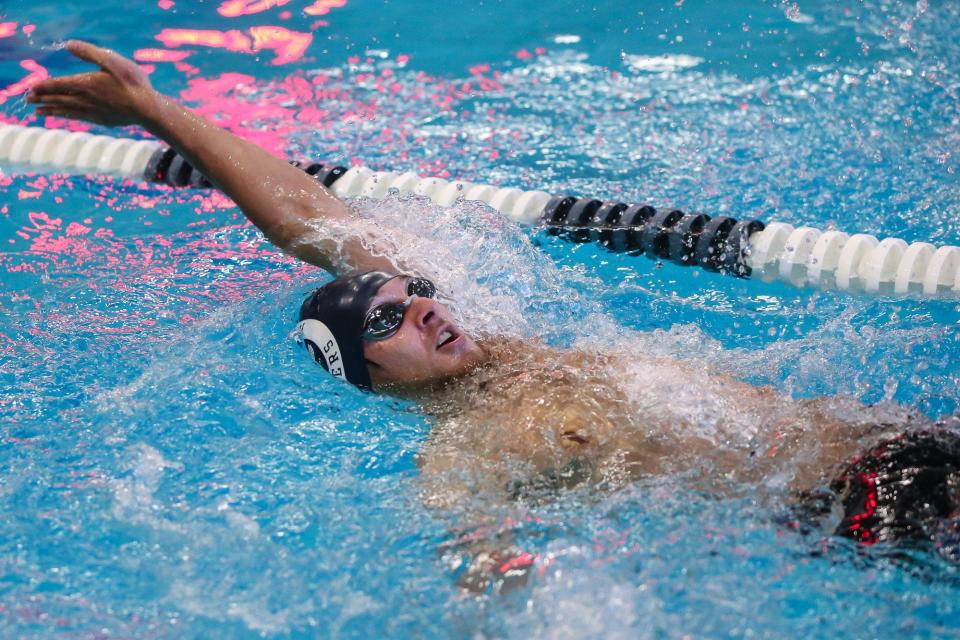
(77, 229)
(163, 272)
(65, 123)
(7, 29)
(37, 74)
(373, 110)
(322, 7)
(186, 69)
(220, 99)
(232, 40)
(80, 244)
(319, 105)
(160, 55)
(41, 220)
(235, 8)
(288, 45)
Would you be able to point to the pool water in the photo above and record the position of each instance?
(175, 467)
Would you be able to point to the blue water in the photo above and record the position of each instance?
(174, 467)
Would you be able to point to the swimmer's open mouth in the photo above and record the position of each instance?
(446, 337)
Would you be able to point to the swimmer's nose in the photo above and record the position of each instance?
(424, 312)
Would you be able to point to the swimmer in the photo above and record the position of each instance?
(516, 421)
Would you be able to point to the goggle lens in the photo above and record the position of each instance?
(421, 287)
(384, 320)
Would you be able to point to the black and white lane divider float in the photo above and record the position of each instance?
(801, 256)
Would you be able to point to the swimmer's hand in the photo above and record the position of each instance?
(118, 94)
(500, 571)
(284, 202)
(483, 565)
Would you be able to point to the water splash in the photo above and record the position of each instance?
(144, 327)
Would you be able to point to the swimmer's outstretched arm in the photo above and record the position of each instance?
(279, 199)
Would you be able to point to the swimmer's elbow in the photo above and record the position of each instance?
(289, 229)
(322, 234)
(306, 246)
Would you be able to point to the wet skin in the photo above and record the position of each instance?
(516, 407)
(534, 410)
(429, 346)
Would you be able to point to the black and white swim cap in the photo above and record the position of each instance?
(331, 323)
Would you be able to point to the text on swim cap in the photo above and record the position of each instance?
(316, 333)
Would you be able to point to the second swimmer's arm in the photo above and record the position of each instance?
(279, 199)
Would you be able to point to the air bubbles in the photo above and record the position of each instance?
(793, 14)
(890, 388)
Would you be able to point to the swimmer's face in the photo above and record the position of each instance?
(428, 347)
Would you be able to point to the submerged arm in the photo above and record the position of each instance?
(285, 203)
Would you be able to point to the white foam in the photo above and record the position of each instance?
(662, 63)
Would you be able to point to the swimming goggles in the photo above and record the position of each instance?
(385, 319)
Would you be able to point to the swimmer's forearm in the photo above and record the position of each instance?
(280, 199)
(277, 197)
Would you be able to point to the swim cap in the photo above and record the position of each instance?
(331, 323)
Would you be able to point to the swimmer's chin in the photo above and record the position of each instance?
(420, 387)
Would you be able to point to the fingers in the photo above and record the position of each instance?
(111, 96)
(67, 85)
(108, 60)
(89, 52)
(61, 101)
